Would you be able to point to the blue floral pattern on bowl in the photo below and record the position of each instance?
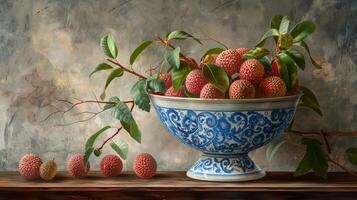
(225, 132)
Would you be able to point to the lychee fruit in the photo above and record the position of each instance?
(111, 165)
(274, 69)
(29, 166)
(195, 81)
(76, 168)
(167, 78)
(252, 70)
(144, 165)
(171, 92)
(272, 86)
(230, 60)
(209, 91)
(48, 170)
(241, 89)
(242, 51)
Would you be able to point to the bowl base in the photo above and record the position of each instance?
(225, 168)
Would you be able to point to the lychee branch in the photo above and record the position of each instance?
(117, 131)
(126, 69)
(168, 44)
(111, 137)
(327, 144)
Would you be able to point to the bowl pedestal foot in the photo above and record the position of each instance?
(225, 168)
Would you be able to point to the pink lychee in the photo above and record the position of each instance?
(111, 165)
(172, 93)
(209, 91)
(195, 81)
(252, 70)
(241, 89)
(144, 165)
(230, 60)
(272, 86)
(29, 166)
(76, 168)
(167, 78)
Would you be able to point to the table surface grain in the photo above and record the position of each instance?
(177, 181)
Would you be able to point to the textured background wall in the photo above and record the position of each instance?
(48, 48)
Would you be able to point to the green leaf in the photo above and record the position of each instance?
(308, 99)
(109, 47)
(291, 68)
(316, 156)
(256, 53)
(121, 149)
(217, 76)
(122, 112)
(352, 155)
(114, 74)
(111, 105)
(297, 57)
(102, 95)
(156, 85)
(302, 30)
(303, 167)
(133, 129)
(101, 67)
(266, 62)
(213, 51)
(140, 95)
(91, 139)
(181, 35)
(304, 45)
(280, 23)
(274, 147)
(139, 50)
(179, 76)
(270, 33)
(87, 154)
(283, 70)
(97, 152)
(172, 57)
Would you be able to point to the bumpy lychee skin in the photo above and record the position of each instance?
(29, 166)
(230, 60)
(209, 91)
(272, 86)
(242, 51)
(76, 168)
(48, 170)
(172, 93)
(195, 81)
(274, 69)
(252, 70)
(241, 89)
(167, 78)
(111, 165)
(144, 165)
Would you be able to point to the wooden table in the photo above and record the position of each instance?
(175, 185)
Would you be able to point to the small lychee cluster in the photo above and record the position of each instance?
(31, 167)
(250, 78)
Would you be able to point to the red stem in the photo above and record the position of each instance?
(126, 69)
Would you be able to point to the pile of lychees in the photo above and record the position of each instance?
(31, 166)
(248, 78)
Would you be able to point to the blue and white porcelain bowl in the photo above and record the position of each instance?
(225, 131)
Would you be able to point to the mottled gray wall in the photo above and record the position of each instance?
(48, 48)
